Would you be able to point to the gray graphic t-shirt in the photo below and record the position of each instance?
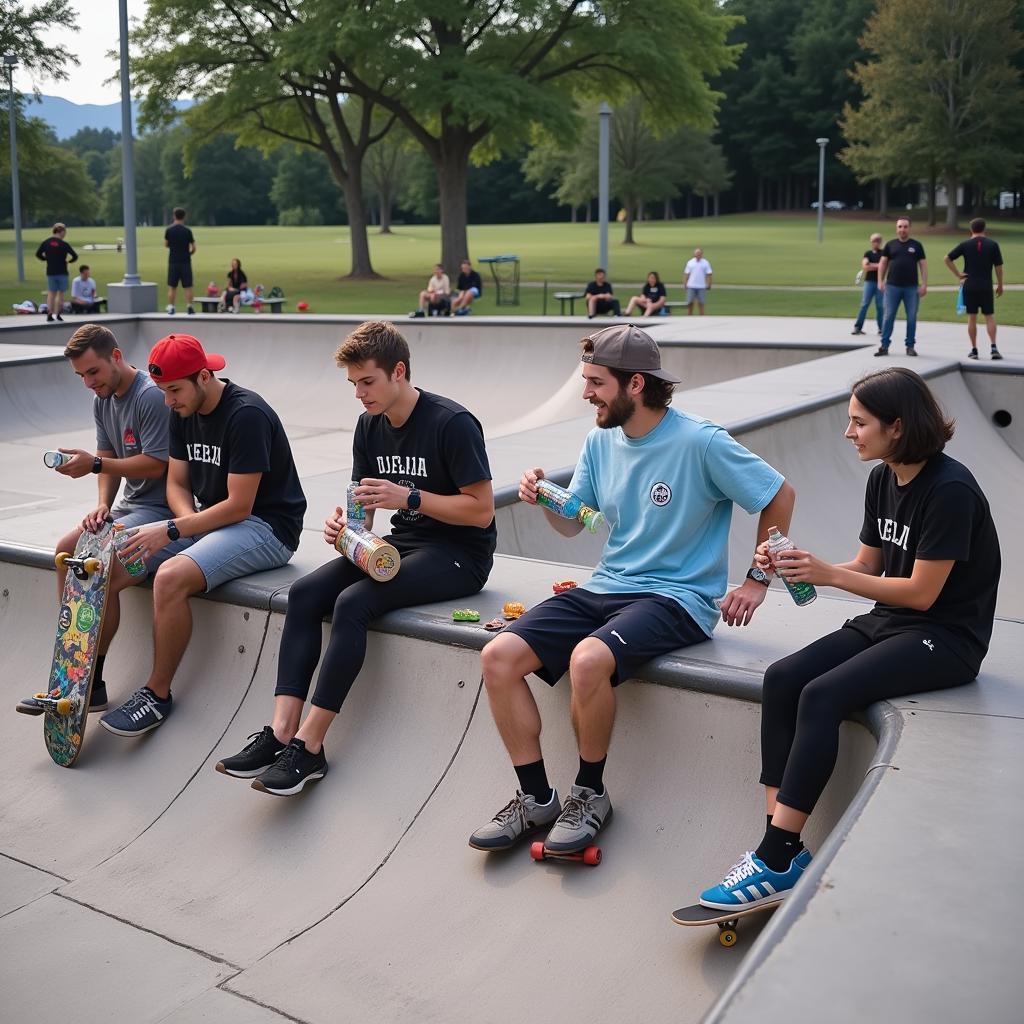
(136, 424)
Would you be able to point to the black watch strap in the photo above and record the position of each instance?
(173, 532)
(415, 498)
(97, 465)
(759, 576)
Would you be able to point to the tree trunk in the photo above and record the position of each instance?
(716, 204)
(689, 205)
(951, 210)
(883, 197)
(705, 198)
(629, 208)
(931, 200)
(452, 184)
(385, 212)
(572, 214)
(359, 242)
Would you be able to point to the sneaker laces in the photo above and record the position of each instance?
(254, 741)
(139, 700)
(744, 869)
(287, 758)
(514, 809)
(572, 811)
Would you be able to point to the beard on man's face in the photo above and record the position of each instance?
(618, 411)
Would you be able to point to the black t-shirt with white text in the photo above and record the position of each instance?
(903, 259)
(439, 449)
(179, 238)
(598, 289)
(470, 280)
(980, 255)
(242, 435)
(874, 257)
(653, 292)
(942, 514)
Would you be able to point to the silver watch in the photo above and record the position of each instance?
(759, 575)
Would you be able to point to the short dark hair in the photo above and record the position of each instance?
(600, 270)
(84, 266)
(179, 213)
(978, 225)
(378, 340)
(96, 337)
(907, 219)
(656, 394)
(897, 393)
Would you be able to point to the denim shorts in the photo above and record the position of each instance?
(474, 291)
(696, 295)
(56, 282)
(232, 551)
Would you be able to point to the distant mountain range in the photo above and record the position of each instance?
(66, 117)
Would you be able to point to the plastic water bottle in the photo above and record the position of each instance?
(802, 593)
(51, 460)
(860, 276)
(135, 567)
(355, 514)
(961, 306)
(565, 504)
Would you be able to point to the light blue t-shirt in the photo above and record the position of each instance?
(668, 499)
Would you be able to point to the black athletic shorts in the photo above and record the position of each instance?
(982, 299)
(179, 273)
(634, 627)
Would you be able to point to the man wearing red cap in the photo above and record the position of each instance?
(236, 505)
(666, 483)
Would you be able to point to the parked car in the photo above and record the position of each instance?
(830, 204)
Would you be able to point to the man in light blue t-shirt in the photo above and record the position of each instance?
(666, 483)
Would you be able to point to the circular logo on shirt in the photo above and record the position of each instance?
(661, 493)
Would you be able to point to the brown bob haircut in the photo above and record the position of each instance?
(900, 394)
(378, 340)
(91, 336)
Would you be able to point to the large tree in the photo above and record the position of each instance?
(942, 90)
(21, 29)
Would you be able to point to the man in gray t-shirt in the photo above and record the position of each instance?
(132, 424)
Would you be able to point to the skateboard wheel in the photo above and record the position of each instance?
(65, 705)
(727, 937)
(91, 565)
(537, 851)
(62, 557)
(592, 856)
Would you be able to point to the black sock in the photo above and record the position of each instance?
(778, 848)
(769, 821)
(533, 780)
(591, 774)
(98, 678)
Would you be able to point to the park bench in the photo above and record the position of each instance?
(209, 303)
(100, 300)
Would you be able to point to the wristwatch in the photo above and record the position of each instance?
(759, 575)
(97, 465)
(173, 533)
(413, 502)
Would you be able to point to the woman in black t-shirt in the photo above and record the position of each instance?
(232, 298)
(929, 558)
(651, 298)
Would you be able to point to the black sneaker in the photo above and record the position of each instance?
(292, 770)
(911, 351)
(49, 318)
(190, 311)
(97, 702)
(417, 314)
(263, 749)
(60, 318)
(973, 354)
(856, 330)
(140, 713)
(883, 350)
(996, 354)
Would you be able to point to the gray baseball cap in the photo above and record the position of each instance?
(625, 347)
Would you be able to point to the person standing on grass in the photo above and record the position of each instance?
(697, 281)
(981, 256)
(869, 268)
(898, 281)
(180, 244)
(56, 254)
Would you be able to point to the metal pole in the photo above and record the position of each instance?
(131, 264)
(11, 63)
(605, 114)
(822, 143)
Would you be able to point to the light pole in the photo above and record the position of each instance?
(11, 62)
(822, 143)
(605, 115)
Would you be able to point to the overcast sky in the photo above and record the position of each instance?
(96, 34)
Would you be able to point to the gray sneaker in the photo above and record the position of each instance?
(521, 816)
(583, 816)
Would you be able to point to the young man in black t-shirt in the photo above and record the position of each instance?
(180, 244)
(869, 275)
(56, 254)
(236, 501)
(599, 296)
(981, 255)
(898, 282)
(416, 453)
(469, 286)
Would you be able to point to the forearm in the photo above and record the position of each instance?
(952, 267)
(566, 527)
(180, 501)
(778, 512)
(900, 592)
(106, 489)
(224, 513)
(137, 467)
(923, 270)
(457, 509)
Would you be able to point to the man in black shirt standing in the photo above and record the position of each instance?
(869, 274)
(599, 296)
(236, 502)
(56, 254)
(422, 456)
(469, 287)
(180, 244)
(981, 255)
(898, 282)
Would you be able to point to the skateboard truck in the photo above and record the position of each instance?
(83, 568)
(589, 855)
(58, 705)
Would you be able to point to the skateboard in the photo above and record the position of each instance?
(698, 915)
(66, 702)
(589, 855)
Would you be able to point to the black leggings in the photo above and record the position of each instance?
(343, 593)
(809, 694)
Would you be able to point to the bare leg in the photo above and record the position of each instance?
(314, 728)
(176, 580)
(990, 327)
(789, 819)
(972, 329)
(506, 660)
(287, 714)
(593, 699)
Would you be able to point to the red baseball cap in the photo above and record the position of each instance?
(181, 355)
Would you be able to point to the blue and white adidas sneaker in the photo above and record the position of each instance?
(751, 882)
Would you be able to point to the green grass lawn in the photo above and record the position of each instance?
(762, 250)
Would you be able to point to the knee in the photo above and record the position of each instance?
(590, 668)
(499, 664)
(781, 685)
(177, 579)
